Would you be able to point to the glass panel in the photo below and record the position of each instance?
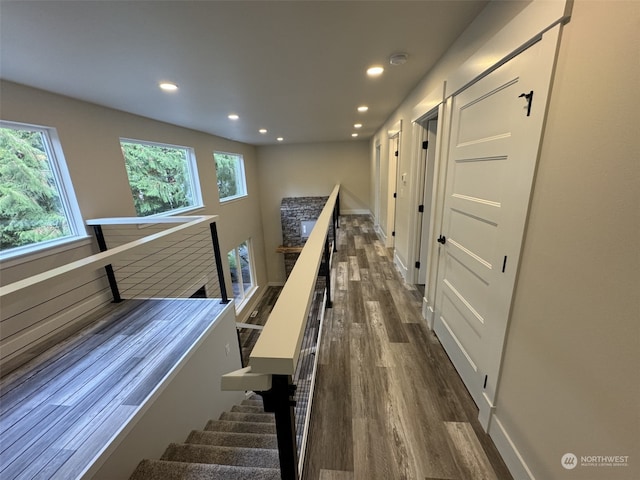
(31, 207)
(230, 175)
(245, 266)
(235, 278)
(159, 176)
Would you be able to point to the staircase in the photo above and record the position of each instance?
(241, 445)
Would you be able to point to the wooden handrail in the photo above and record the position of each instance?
(278, 347)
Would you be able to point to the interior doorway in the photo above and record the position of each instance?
(376, 200)
(394, 154)
(425, 198)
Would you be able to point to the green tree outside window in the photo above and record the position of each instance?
(160, 177)
(230, 173)
(31, 209)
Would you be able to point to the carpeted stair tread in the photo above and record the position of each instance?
(248, 409)
(164, 470)
(248, 457)
(248, 417)
(232, 439)
(240, 427)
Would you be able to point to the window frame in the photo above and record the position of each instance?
(240, 301)
(240, 171)
(192, 170)
(64, 186)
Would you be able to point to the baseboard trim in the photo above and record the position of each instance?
(508, 450)
(487, 409)
(355, 211)
(401, 266)
(381, 234)
(427, 313)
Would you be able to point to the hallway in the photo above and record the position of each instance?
(388, 403)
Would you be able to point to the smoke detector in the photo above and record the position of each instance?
(398, 58)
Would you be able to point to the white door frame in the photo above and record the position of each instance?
(376, 201)
(394, 136)
(424, 189)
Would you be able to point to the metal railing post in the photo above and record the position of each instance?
(111, 276)
(218, 257)
(279, 400)
(334, 225)
(327, 271)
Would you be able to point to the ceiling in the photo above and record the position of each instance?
(295, 68)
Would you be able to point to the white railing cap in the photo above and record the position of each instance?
(278, 347)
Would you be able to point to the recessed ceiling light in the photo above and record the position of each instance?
(263, 131)
(168, 86)
(233, 116)
(375, 71)
(354, 134)
(357, 125)
(280, 139)
(363, 108)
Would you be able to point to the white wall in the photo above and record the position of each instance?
(90, 135)
(309, 170)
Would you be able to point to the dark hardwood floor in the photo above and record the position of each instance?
(388, 403)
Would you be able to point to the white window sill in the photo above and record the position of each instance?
(8, 260)
(233, 199)
(243, 303)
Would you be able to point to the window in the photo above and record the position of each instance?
(163, 178)
(241, 265)
(230, 172)
(38, 208)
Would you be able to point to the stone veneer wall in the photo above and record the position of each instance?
(293, 211)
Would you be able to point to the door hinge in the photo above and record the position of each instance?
(396, 154)
(425, 145)
(421, 208)
(393, 234)
(485, 381)
(504, 264)
(395, 195)
(417, 264)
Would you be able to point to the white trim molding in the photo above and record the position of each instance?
(400, 265)
(508, 450)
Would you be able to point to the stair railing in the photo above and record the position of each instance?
(274, 358)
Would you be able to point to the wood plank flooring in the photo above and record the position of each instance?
(388, 403)
(58, 411)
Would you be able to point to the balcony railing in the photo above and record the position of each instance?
(275, 357)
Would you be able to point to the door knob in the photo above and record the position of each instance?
(442, 239)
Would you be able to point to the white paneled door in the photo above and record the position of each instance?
(495, 133)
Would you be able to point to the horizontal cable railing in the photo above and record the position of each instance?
(274, 359)
(174, 266)
(47, 306)
(94, 262)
